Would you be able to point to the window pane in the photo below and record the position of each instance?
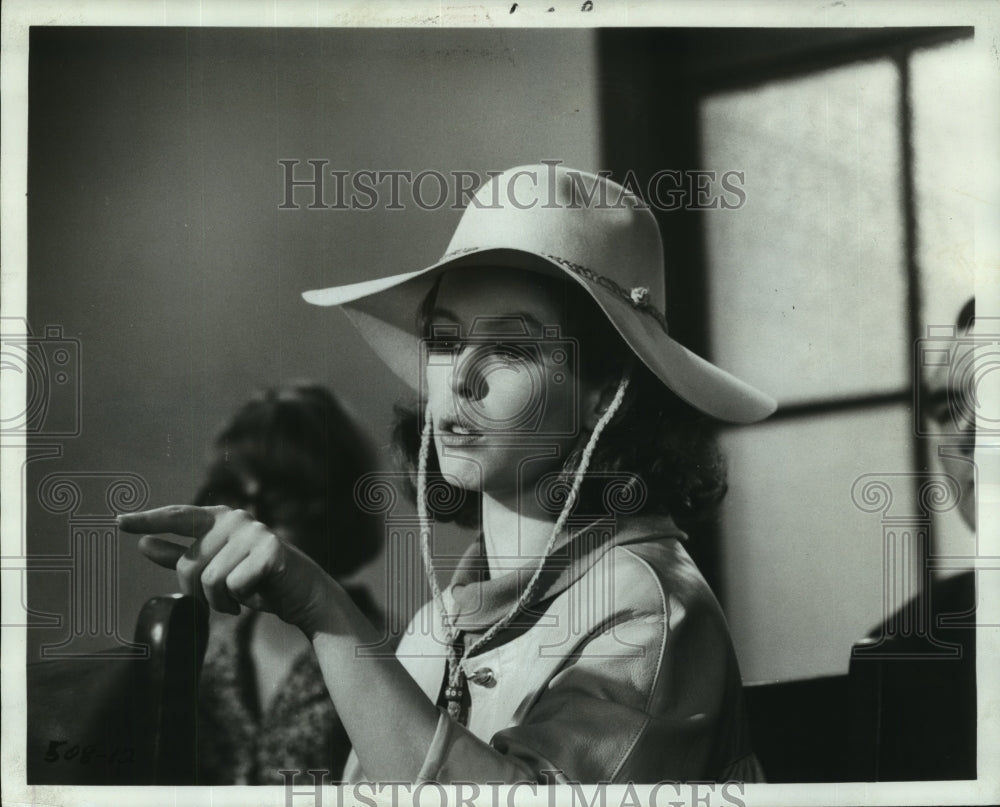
(806, 280)
(803, 565)
(948, 158)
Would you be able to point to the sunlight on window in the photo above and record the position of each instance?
(813, 261)
(948, 153)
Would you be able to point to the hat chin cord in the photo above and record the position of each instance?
(455, 677)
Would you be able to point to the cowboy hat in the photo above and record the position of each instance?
(561, 221)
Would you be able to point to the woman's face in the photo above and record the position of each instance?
(953, 440)
(501, 379)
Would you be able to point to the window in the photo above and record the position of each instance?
(856, 234)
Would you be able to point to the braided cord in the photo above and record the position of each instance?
(425, 549)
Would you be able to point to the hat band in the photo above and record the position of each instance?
(637, 297)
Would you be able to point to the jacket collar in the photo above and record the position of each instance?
(475, 601)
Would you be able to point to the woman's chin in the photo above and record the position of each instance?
(463, 473)
(471, 476)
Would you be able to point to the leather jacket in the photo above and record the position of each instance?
(622, 670)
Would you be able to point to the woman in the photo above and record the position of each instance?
(576, 643)
(290, 457)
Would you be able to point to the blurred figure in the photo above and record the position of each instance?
(926, 690)
(290, 457)
(956, 440)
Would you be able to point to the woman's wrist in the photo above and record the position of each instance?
(325, 613)
(334, 613)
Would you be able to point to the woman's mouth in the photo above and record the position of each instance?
(454, 433)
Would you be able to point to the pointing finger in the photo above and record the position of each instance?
(179, 519)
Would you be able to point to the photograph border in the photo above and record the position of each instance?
(20, 15)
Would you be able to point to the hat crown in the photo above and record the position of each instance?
(567, 215)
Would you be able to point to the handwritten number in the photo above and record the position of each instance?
(52, 755)
(87, 754)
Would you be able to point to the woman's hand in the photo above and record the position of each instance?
(235, 560)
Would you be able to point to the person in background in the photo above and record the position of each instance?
(957, 441)
(927, 675)
(290, 457)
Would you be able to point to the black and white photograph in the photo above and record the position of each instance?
(590, 403)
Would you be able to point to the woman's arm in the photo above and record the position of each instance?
(237, 560)
(389, 719)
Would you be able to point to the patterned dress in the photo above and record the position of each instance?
(298, 731)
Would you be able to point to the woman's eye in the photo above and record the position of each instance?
(507, 353)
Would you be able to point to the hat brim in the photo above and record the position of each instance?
(385, 312)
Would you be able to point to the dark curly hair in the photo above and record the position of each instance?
(292, 455)
(661, 449)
